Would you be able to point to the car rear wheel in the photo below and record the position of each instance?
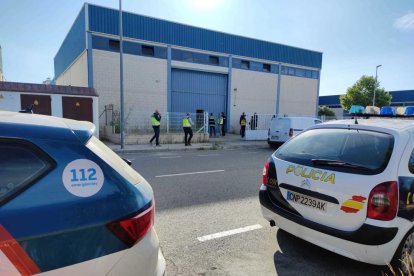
(404, 256)
(274, 145)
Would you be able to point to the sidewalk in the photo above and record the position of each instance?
(230, 141)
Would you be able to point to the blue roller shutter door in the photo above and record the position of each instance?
(193, 90)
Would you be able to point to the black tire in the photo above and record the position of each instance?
(400, 262)
(272, 145)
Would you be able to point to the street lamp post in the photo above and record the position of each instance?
(376, 81)
(121, 75)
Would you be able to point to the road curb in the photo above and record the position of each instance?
(209, 147)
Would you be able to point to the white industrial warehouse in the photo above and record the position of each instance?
(179, 68)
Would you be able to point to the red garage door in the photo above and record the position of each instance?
(77, 108)
(41, 103)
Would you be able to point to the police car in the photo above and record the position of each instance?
(69, 205)
(346, 186)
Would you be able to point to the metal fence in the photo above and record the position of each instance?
(262, 121)
(139, 122)
(256, 121)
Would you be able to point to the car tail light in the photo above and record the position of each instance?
(265, 172)
(383, 201)
(132, 229)
(290, 132)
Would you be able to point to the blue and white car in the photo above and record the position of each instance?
(347, 186)
(69, 205)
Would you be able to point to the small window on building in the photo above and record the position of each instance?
(147, 50)
(300, 72)
(291, 71)
(188, 57)
(114, 44)
(213, 60)
(266, 67)
(245, 64)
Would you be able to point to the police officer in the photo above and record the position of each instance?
(188, 132)
(253, 121)
(156, 122)
(212, 125)
(243, 125)
(222, 123)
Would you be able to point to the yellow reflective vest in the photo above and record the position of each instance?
(186, 122)
(154, 121)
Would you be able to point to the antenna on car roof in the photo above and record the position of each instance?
(27, 110)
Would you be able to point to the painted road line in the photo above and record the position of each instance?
(243, 153)
(178, 174)
(229, 233)
(205, 155)
(169, 157)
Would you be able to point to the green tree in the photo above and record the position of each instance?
(324, 110)
(362, 93)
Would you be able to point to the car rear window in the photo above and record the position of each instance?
(21, 164)
(368, 151)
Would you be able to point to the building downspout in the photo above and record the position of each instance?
(278, 90)
(169, 92)
(228, 116)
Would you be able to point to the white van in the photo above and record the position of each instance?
(283, 128)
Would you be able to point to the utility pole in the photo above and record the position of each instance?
(121, 75)
(376, 81)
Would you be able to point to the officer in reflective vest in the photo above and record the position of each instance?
(222, 124)
(156, 122)
(243, 125)
(212, 125)
(188, 132)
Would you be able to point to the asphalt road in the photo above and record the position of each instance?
(200, 193)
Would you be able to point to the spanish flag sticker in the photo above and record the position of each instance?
(353, 205)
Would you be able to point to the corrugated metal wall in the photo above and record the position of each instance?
(105, 20)
(193, 90)
(72, 46)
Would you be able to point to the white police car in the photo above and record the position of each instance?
(346, 186)
(69, 205)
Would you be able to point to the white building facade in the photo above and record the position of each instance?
(78, 103)
(179, 68)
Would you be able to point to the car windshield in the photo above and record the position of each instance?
(348, 150)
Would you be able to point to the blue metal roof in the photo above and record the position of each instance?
(105, 20)
(72, 46)
(400, 96)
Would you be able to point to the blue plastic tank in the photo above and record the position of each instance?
(409, 110)
(387, 110)
(356, 109)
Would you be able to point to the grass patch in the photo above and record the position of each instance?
(407, 262)
(216, 146)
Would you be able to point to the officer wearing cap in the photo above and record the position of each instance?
(188, 132)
